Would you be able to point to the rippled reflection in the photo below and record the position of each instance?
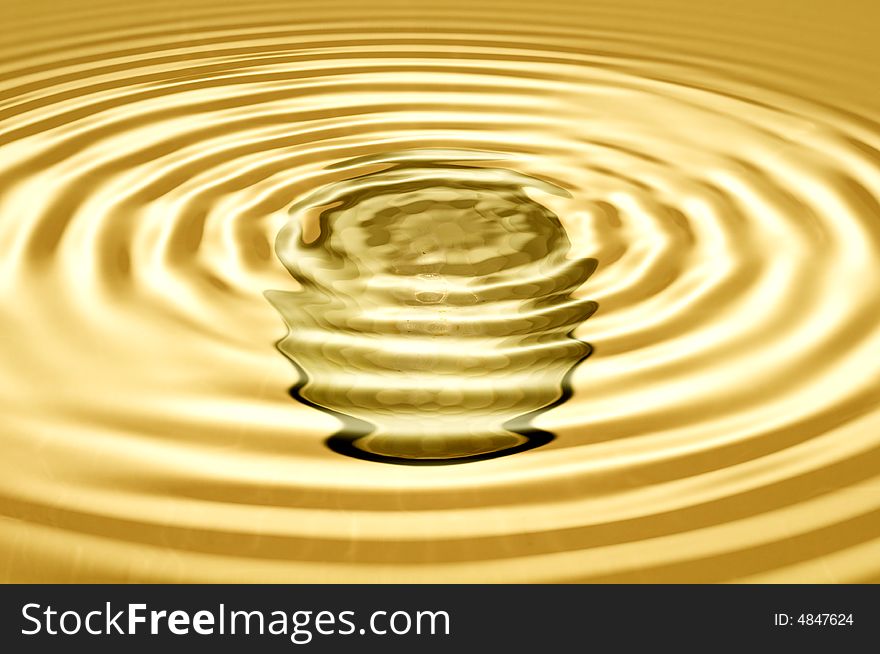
(435, 312)
(720, 162)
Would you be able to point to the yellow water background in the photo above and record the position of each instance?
(721, 163)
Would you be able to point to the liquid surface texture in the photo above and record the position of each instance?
(435, 312)
(707, 174)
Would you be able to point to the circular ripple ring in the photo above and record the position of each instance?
(721, 166)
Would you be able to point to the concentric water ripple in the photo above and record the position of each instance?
(721, 169)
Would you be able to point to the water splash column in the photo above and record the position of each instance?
(435, 315)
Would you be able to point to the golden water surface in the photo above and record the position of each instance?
(419, 204)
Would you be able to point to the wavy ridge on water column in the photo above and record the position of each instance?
(724, 428)
(435, 314)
